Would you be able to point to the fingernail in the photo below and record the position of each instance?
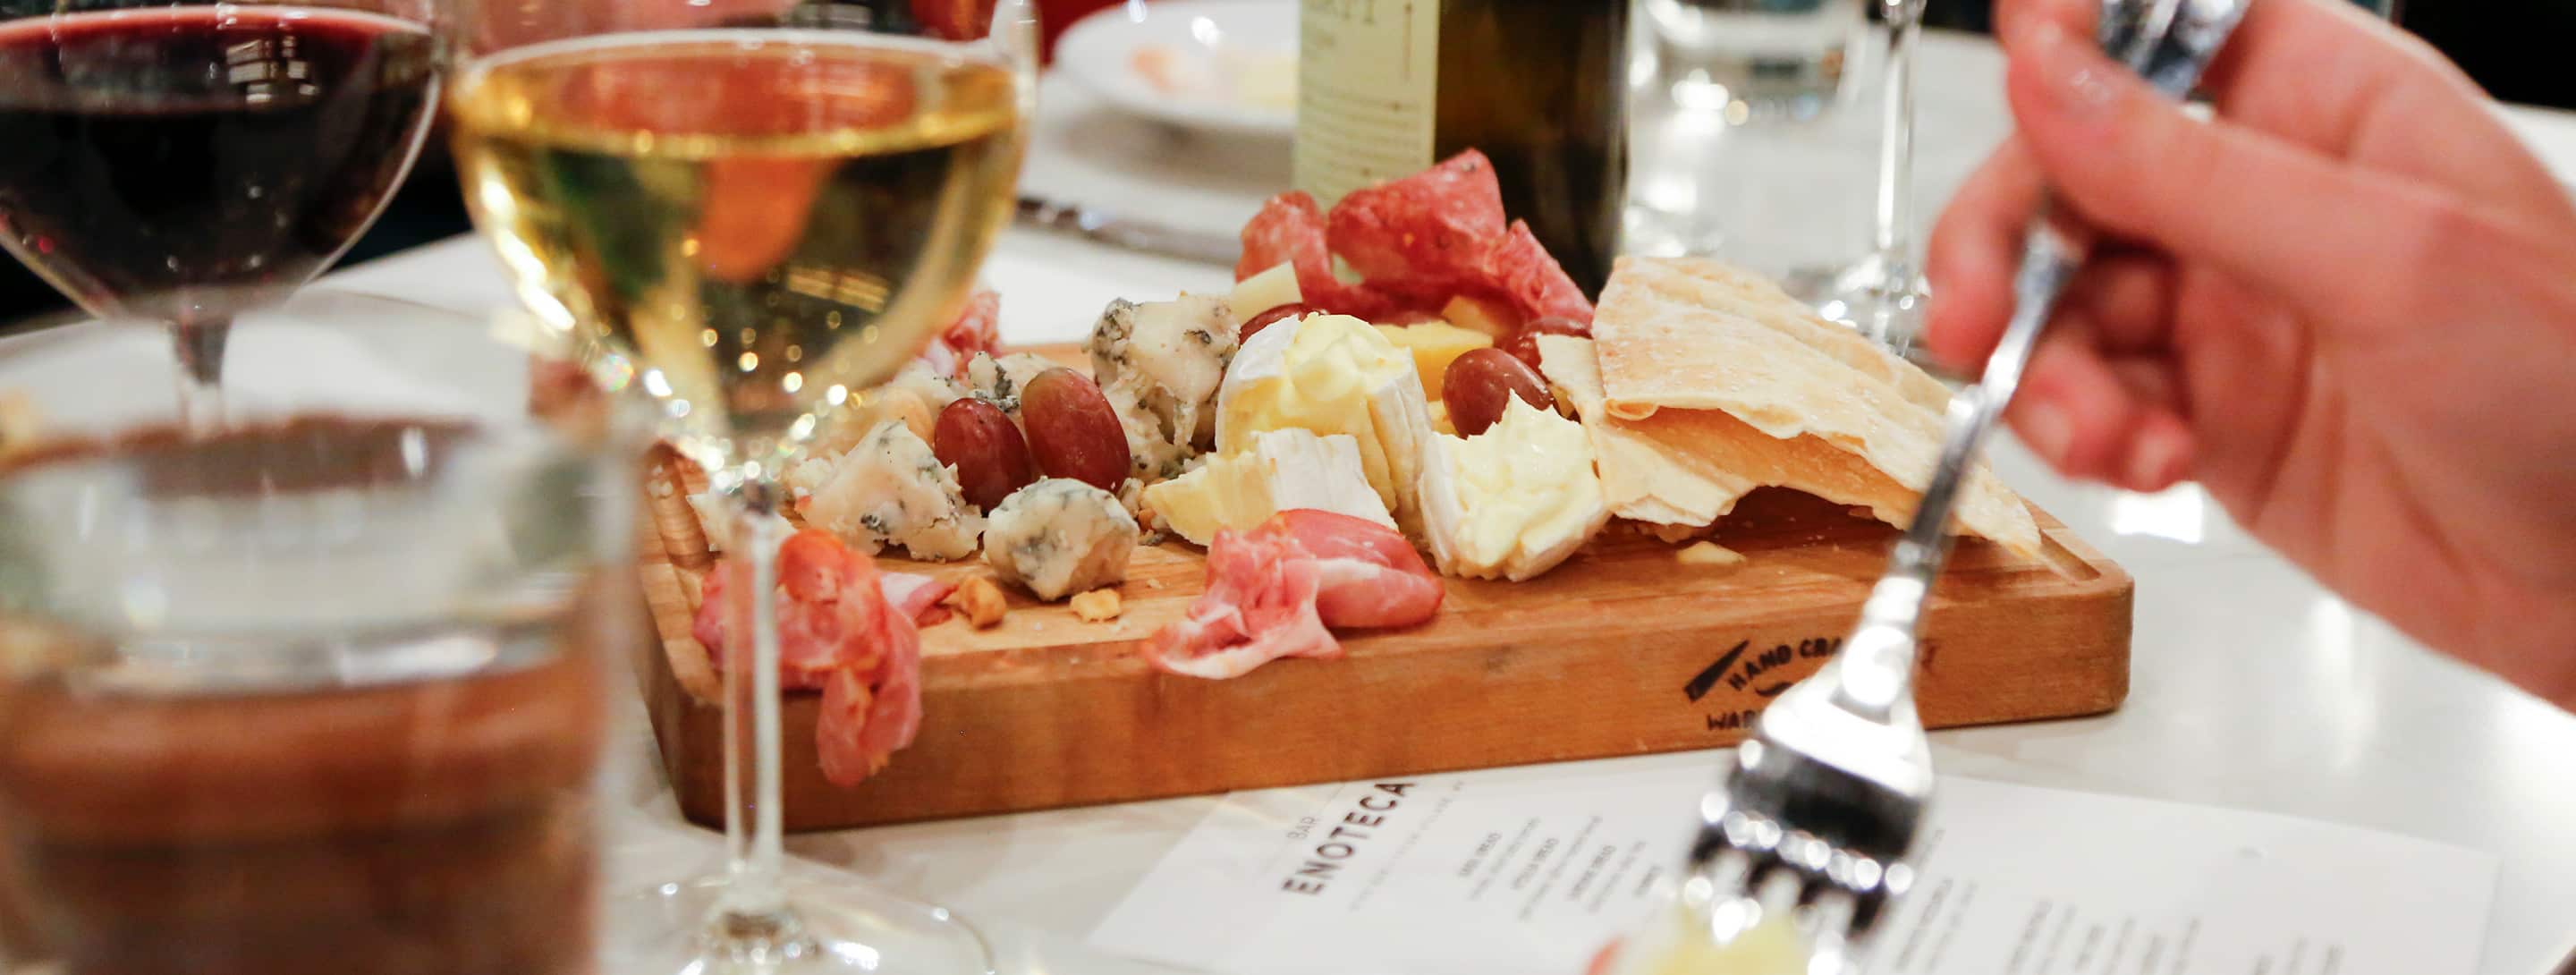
(2159, 460)
(2077, 79)
(2046, 430)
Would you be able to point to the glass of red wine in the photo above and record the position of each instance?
(185, 162)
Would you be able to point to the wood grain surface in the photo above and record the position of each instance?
(1623, 650)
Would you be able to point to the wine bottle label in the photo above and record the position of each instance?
(1368, 75)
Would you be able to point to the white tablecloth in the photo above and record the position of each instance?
(2252, 687)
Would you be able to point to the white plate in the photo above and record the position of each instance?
(1219, 65)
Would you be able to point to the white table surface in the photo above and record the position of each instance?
(2252, 688)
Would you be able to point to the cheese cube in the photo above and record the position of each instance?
(1264, 291)
(1434, 346)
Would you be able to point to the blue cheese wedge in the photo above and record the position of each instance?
(890, 490)
(998, 381)
(1059, 537)
(1287, 468)
(1514, 501)
(1332, 374)
(1159, 364)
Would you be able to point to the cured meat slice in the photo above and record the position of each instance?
(1438, 224)
(1259, 607)
(1288, 229)
(1370, 576)
(915, 597)
(1416, 243)
(978, 328)
(1272, 592)
(838, 632)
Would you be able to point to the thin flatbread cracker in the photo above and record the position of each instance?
(1686, 334)
(1643, 478)
(1672, 467)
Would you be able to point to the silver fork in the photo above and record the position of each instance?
(1828, 796)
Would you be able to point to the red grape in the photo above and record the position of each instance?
(1523, 344)
(991, 458)
(1481, 383)
(1072, 430)
(1264, 320)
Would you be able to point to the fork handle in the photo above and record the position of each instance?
(1878, 661)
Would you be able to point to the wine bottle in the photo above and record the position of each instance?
(1388, 87)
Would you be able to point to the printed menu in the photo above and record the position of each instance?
(1532, 870)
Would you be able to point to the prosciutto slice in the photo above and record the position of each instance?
(840, 632)
(1274, 591)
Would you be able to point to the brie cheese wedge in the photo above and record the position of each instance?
(1332, 374)
(1514, 501)
(1285, 469)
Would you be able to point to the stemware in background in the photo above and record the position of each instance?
(186, 162)
(761, 210)
(1882, 294)
(320, 691)
(1739, 129)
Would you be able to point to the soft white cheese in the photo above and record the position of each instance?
(1332, 374)
(1514, 501)
(1285, 469)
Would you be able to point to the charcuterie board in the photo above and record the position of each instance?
(1623, 650)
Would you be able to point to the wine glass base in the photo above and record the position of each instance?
(835, 928)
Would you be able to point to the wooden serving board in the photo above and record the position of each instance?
(1623, 650)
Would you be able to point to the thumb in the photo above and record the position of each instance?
(2296, 223)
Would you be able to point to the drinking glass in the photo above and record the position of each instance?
(316, 692)
(1882, 294)
(185, 161)
(761, 210)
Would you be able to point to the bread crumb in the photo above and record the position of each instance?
(979, 601)
(1098, 605)
(1153, 583)
(1708, 554)
(1675, 534)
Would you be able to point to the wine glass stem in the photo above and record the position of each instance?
(754, 909)
(1894, 239)
(200, 349)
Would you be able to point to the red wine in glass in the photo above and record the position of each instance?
(187, 163)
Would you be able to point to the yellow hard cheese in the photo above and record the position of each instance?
(1332, 374)
(1289, 468)
(1264, 291)
(1434, 346)
(1513, 501)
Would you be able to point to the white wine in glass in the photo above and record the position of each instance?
(760, 213)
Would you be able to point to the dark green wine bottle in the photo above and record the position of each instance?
(1388, 87)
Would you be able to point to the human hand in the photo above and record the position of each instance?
(2346, 305)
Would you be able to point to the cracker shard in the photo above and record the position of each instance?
(1704, 382)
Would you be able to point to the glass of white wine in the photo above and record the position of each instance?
(760, 209)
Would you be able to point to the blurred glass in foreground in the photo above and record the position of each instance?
(318, 692)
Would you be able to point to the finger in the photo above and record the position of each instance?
(2128, 295)
(2015, 18)
(2078, 414)
(2319, 234)
(1969, 258)
(2327, 76)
